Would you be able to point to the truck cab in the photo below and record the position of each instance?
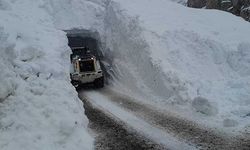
(85, 68)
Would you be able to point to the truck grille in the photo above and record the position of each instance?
(86, 66)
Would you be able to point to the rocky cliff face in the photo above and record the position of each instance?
(196, 3)
(212, 4)
(245, 10)
(237, 7)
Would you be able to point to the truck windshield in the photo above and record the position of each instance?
(86, 66)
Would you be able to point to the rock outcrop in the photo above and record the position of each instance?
(237, 7)
(245, 10)
(196, 3)
(213, 4)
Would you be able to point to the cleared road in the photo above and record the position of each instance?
(112, 134)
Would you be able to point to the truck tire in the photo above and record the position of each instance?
(75, 83)
(99, 83)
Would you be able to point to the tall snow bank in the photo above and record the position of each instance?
(194, 62)
(39, 109)
(7, 85)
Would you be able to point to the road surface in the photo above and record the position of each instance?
(113, 132)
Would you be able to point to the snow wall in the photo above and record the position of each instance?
(39, 108)
(150, 52)
(182, 60)
(179, 59)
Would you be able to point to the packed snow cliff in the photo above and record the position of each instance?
(191, 62)
(195, 63)
(39, 109)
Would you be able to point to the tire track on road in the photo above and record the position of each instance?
(189, 131)
(112, 134)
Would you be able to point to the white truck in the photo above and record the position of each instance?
(85, 68)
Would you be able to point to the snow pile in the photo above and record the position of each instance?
(195, 62)
(7, 85)
(82, 14)
(39, 109)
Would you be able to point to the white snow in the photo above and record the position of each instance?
(191, 61)
(39, 108)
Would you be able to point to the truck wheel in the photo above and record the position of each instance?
(99, 83)
(75, 83)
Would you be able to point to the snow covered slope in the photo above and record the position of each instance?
(39, 109)
(193, 62)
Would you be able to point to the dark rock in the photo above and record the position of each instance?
(213, 4)
(245, 13)
(226, 5)
(196, 3)
(236, 7)
(245, 10)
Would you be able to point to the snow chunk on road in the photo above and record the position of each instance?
(203, 106)
(239, 60)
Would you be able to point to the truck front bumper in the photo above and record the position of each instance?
(86, 77)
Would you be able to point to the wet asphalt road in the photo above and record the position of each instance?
(114, 135)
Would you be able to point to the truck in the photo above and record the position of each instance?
(85, 68)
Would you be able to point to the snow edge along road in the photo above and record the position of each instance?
(155, 134)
